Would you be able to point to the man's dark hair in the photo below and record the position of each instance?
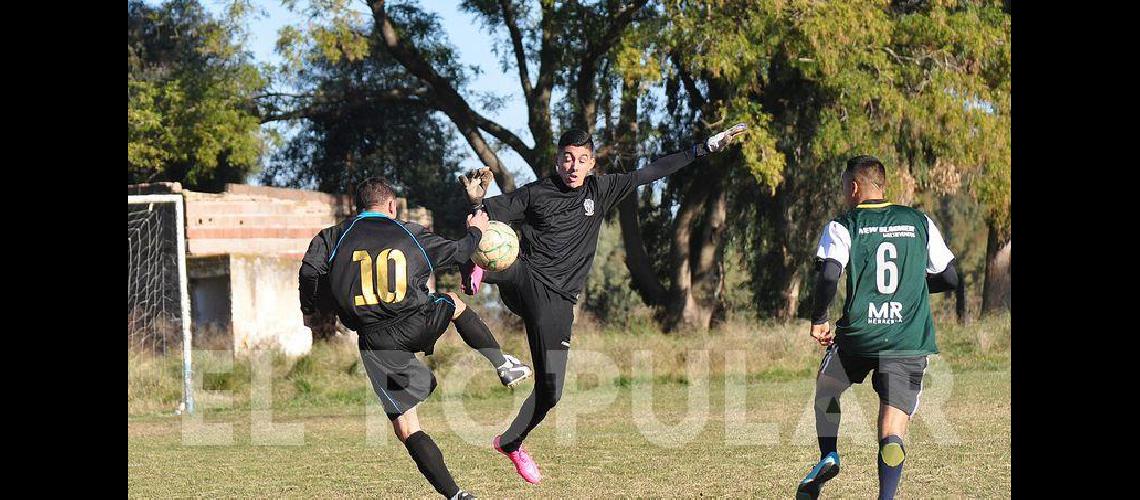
(373, 192)
(576, 137)
(866, 169)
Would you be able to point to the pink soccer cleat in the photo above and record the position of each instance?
(524, 465)
(471, 276)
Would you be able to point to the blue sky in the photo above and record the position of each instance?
(475, 49)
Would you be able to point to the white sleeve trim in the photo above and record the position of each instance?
(835, 243)
(938, 255)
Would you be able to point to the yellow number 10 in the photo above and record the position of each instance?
(372, 295)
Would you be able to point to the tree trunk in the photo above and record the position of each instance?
(790, 296)
(641, 273)
(960, 302)
(686, 311)
(996, 290)
(782, 260)
(708, 279)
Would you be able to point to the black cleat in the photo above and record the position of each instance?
(514, 371)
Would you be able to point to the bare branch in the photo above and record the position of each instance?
(324, 107)
(516, 42)
(505, 136)
(621, 19)
(696, 99)
(444, 95)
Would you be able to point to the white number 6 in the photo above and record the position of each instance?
(886, 283)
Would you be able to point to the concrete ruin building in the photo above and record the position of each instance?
(243, 251)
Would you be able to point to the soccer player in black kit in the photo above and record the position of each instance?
(560, 216)
(377, 270)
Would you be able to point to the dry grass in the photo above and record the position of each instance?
(331, 375)
(959, 444)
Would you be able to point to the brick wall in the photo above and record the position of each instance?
(267, 220)
(255, 236)
(259, 220)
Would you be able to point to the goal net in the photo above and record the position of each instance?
(158, 308)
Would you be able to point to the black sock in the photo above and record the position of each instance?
(510, 447)
(476, 334)
(429, 460)
(892, 455)
(827, 445)
(827, 416)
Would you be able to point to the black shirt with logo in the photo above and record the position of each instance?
(560, 225)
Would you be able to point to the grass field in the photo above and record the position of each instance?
(647, 415)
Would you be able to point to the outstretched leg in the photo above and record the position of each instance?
(476, 334)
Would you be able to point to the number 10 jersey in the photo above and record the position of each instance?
(379, 267)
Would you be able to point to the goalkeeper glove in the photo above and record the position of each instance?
(719, 141)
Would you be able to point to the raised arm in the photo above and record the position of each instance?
(444, 252)
(615, 187)
(509, 207)
(668, 164)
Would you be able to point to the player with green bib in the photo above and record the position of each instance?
(895, 257)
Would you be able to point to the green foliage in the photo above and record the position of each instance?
(925, 86)
(190, 87)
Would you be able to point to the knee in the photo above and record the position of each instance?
(460, 306)
(406, 423)
(892, 451)
(549, 395)
(829, 387)
(404, 427)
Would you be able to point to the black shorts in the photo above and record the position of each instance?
(897, 381)
(402, 381)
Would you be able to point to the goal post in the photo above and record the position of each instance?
(149, 254)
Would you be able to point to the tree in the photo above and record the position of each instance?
(360, 115)
(190, 87)
(923, 85)
(576, 46)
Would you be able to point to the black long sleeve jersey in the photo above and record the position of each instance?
(560, 225)
(377, 268)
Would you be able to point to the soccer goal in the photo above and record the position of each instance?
(158, 304)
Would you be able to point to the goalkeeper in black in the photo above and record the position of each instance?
(377, 270)
(560, 216)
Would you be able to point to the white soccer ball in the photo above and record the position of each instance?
(498, 248)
